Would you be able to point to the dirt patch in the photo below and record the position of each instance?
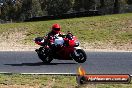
(12, 41)
(12, 37)
(107, 46)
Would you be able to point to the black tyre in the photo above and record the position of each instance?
(45, 59)
(44, 56)
(80, 56)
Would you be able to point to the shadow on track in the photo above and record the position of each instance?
(37, 64)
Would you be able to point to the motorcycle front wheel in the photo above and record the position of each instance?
(79, 56)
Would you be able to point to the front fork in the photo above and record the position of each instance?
(75, 54)
(40, 50)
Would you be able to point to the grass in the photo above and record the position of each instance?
(40, 81)
(49, 81)
(113, 29)
(90, 29)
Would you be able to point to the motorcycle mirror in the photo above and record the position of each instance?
(68, 32)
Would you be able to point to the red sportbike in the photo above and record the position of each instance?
(64, 48)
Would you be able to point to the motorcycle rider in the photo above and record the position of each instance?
(50, 37)
(55, 43)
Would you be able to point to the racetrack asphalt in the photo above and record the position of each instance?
(97, 63)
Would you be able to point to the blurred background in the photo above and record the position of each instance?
(21, 10)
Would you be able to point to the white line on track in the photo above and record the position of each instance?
(71, 74)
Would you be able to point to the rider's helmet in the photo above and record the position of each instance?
(56, 28)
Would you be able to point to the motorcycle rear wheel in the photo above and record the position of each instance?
(45, 57)
(81, 58)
